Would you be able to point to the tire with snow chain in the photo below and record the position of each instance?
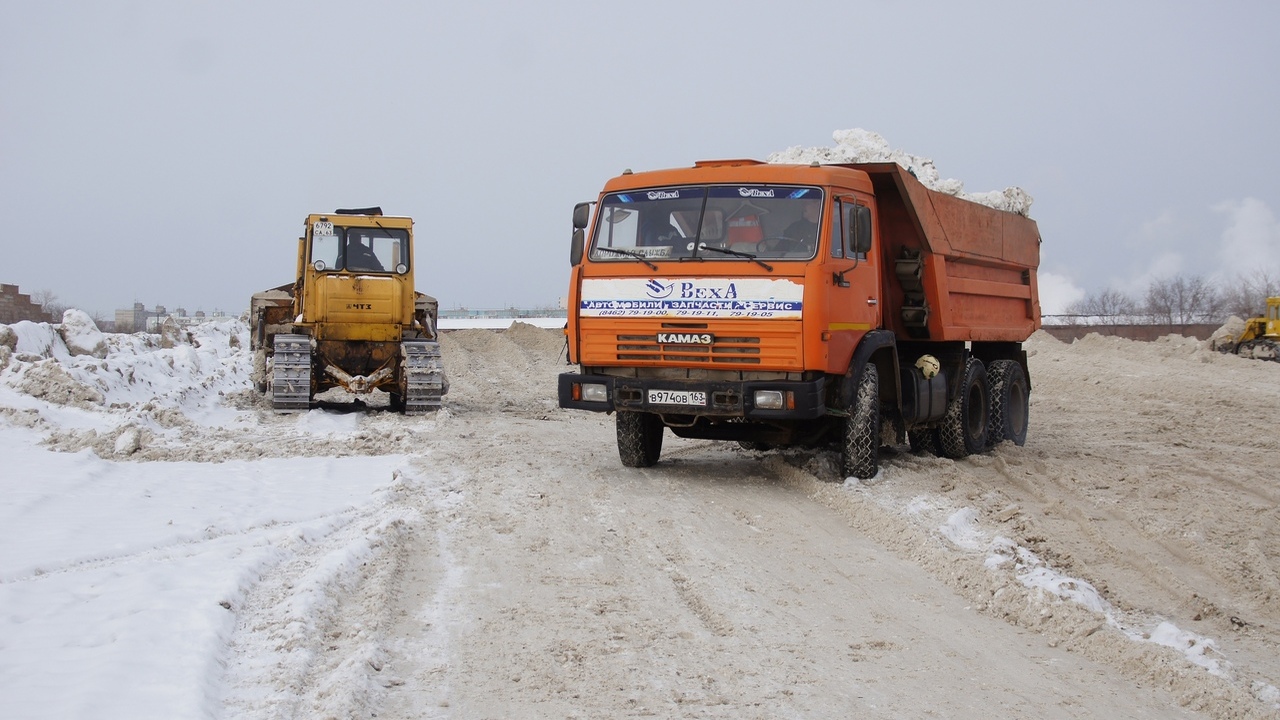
(964, 427)
(923, 441)
(1010, 401)
(639, 438)
(860, 446)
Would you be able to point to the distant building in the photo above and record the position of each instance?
(133, 319)
(140, 319)
(16, 306)
(182, 319)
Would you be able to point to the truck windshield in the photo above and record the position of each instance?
(358, 249)
(749, 221)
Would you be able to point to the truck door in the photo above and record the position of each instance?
(854, 289)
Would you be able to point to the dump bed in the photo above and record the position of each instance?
(953, 269)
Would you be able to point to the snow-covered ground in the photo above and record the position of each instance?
(170, 548)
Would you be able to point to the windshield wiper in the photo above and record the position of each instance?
(630, 253)
(738, 253)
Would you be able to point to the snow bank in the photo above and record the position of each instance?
(55, 370)
(864, 146)
(113, 571)
(964, 529)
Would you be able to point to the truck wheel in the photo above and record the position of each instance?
(860, 450)
(964, 427)
(923, 441)
(639, 438)
(1009, 402)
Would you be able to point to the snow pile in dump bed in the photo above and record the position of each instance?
(864, 146)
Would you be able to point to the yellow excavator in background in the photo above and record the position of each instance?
(1261, 336)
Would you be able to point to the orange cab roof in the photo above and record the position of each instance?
(743, 171)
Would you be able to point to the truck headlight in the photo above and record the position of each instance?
(768, 399)
(594, 392)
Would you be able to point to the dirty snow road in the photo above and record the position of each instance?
(1123, 564)
(564, 586)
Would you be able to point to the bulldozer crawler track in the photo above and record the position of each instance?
(1260, 349)
(291, 373)
(423, 376)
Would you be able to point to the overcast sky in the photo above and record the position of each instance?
(168, 152)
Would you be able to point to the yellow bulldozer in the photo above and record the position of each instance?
(1260, 338)
(352, 318)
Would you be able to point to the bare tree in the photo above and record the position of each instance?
(1247, 296)
(1073, 313)
(48, 302)
(105, 323)
(1108, 307)
(1181, 301)
(1113, 307)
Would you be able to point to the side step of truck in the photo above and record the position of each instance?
(291, 373)
(424, 376)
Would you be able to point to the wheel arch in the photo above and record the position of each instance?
(879, 347)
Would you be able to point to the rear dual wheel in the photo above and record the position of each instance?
(964, 426)
(1010, 400)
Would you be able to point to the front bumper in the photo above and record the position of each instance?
(802, 399)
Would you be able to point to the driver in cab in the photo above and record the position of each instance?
(805, 230)
(803, 233)
(361, 257)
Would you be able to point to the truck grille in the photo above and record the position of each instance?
(777, 348)
(741, 350)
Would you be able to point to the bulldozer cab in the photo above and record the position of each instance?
(335, 248)
(356, 276)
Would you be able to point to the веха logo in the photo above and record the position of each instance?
(657, 290)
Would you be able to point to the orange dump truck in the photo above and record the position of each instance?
(778, 305)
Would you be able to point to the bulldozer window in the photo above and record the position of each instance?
(359, 249)
(324, 248)
(373, 249)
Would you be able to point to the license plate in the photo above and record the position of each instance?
(677, 397)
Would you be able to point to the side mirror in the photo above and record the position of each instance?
(581, 214)
(862, 230)
(575, 245)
